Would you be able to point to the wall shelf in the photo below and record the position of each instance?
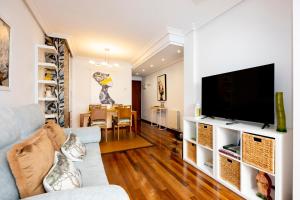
(46, 48)
(47, 65)
(51, 116)
(232, 134)
(45, 69)
(47, 82)
(47, 99)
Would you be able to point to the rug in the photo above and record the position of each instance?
(123, 145)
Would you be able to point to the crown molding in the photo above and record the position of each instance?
(171, 36)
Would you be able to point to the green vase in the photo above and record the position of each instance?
(280, 113)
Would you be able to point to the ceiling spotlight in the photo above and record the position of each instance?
(143, 70)
(163, 59)
(151, 65)
(178, 51)
(92, 62)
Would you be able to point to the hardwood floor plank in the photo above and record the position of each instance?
(156, 173)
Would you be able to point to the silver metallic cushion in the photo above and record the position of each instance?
(73, 148)
(63, 175)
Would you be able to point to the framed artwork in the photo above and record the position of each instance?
(4, 55)
(162, 87)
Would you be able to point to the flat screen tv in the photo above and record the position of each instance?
(246, 95)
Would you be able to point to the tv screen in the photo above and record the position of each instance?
(246, 95)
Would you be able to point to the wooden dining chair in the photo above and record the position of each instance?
(123, 119)
(99, 118)
(93, 106)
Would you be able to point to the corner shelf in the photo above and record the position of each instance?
(232, 134)
(44, 69)
(47, 82)
(51, 116)
(47, 65)
(47, 99)
(47, 48)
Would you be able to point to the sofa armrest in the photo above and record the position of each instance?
(104, 192)
(86, 134)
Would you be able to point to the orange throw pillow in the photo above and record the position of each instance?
(30, 162)
(56, 134)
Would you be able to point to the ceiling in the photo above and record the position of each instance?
(164, 58)
(126, 27)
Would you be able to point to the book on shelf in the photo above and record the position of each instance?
(232, 147)
(230, 153)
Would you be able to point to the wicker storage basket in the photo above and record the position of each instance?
(259, 151)
(205, 135)
(191, 151)
(230, 171)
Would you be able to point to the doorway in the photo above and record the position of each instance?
(136, 100)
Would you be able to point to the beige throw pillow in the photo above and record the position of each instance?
(56, 134)
(30, 161)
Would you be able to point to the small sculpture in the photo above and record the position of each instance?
(48, 92)
(264, 185)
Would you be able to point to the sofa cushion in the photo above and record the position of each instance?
(8, 186)
(86, 134)
(63, 175)
(92, 169)
(56, 134)
(9, 130)
(30, 161)
(29, 118)
(73, 149)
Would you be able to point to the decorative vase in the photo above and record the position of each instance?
(197, 110)
(281, 123)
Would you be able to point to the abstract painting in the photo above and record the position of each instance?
(162, 87)
(105, 81)
(4, 55)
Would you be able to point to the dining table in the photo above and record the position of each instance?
(85, 117)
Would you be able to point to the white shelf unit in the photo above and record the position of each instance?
(227, 134)
(40, 81)
(47, 99)
(51, 116)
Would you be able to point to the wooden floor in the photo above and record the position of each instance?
(158, 172)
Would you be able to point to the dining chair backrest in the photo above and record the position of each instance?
(99, 114)
(93, 106)
(117, 105)
(124, 113)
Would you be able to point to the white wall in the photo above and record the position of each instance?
(296, 73)
(86, 91)
(174, 90)
(25, 33)
(253, 33)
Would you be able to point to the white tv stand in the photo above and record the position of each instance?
(226, 134)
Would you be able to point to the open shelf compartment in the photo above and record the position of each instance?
(205, 158)
(249, 184)
(190, 131)
(228, 136)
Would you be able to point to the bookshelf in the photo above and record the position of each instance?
(232, 134)
(45, 79)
